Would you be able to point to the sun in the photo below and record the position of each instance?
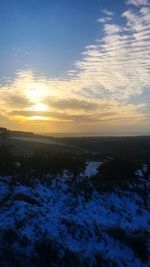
(39, 107)
(36, 92)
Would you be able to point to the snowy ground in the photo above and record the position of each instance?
(61, 228)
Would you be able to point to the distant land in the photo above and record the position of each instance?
(135, 147)
(73, 134)
(90, 134)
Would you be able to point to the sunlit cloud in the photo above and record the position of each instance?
(72, 104)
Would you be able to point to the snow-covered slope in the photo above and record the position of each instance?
(51, 225)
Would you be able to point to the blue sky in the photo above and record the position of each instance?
(72, 65)
(48, 36)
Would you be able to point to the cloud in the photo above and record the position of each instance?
(112, 28)
(107, 112)
(72, 104)
(108, 16)
(118, 65)
(138, 3)
(56, 116)
(107, 12)
(104, 20)
(3, 119)
(16, 100)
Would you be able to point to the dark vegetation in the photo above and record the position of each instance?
(39, 163)
(116, 171)
(137, 241)
(133, 148)
(26, 198)
(130, 147)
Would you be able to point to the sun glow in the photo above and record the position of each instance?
(38, 118)
(39, 107)
(36, 92)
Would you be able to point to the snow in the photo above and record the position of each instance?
(139, 173)
(77, 222)
(91, 168)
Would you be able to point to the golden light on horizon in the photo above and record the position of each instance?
(38, 118)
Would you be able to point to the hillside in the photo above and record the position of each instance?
(53, 223)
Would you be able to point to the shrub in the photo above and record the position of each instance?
(47, 252)
(26, 198)
(51, 253)
(137, 241)
(9, 235)
(117, 233)
(6, 161)
(118, 169)
(23, 180)
(115, 171)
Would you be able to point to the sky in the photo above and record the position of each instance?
(75, 66)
